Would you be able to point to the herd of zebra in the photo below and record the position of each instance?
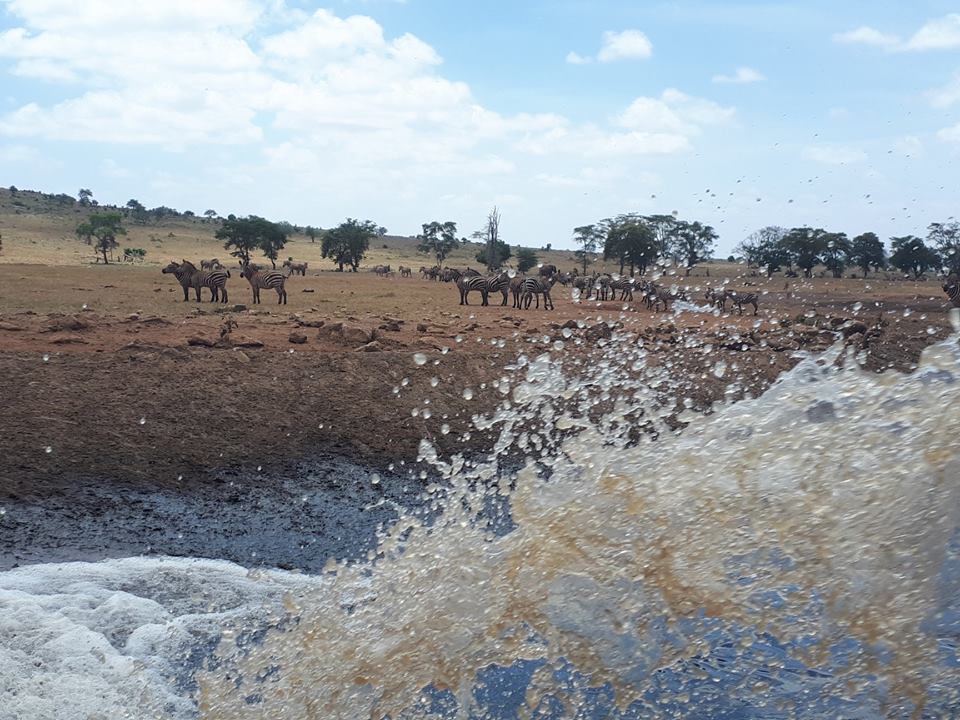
(213, 276)
(599, 287)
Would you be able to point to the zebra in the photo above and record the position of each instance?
(213, 264)
(625, 286)
(516, 288)
(739, 299)
(951, 286)
(499, 283)
(260, 279)
(189, 277)
(718, 298)
(467, 284)
(295, 267)
(535, 287)
(405, 272)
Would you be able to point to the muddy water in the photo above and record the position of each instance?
(793, 555)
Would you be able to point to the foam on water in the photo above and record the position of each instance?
(805, 533)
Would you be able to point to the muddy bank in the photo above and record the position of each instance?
(296, 515)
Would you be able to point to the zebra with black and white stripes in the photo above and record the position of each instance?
(534, 287)
(739, 299)
(189, 277)
(499, 283)
(260, 279)
(468, 283)
(951, 286)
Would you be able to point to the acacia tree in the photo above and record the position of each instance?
(311, 232)
(438, 239)
(490, 235)
(867, 251)
(105, 227)
(836, 251)
(946, 238)
(805, 246)
(765, 248)
(84, 231)
(347, 243)
(693, 243)
(85, 196)
(664, 228)
(631, 240)
(210, 214)
(244, 235)
(588, 237)
(911, 255)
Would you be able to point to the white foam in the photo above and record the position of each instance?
(115, 639)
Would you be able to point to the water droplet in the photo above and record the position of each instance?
(468, 393)
(719, 369)
(434, 381)
(46, 357)
(143, 421)
(444, 350)
(427, 414)
(259, 468)
(931, 331)
(375, 479)
(405, 382)
(857, 307)
(955, 319)
(444, 429)
(48, 449)
(420, 358)
(459, 338)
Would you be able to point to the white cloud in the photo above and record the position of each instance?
(866, 35)
(742, 76)
(834, 154)
(950, 134)
(939, 34)
(625, 45)
(576, 59)
(947, 95)
(909, 146)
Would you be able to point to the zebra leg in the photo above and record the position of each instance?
(223, 297)
(756, 308)
(214, 294)
(486, 297)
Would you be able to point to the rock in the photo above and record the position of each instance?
(421, 327)
(308, 290)
(9, 326)
(245, 342)
(133, 317)
(389, 319)
(570, 325)
(311, 323)
(372, 346)
(357, 335)
(201, 341)
(471, 327)
(598, 331)
(69, 340)
(242, 357)
(158, 289)
(335, 328)
(853, 327)
(239, 308)
(297, 338)
(390, 326)
(66, 322)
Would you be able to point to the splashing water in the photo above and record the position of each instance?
(793, 555)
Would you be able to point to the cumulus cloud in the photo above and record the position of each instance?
(743, 76)
(625, 45)
(950, 134)
(834, 154)
(938, 34)
(577, 59)
(946, 95)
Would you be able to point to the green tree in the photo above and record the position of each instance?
(946, 238)
(242, 236)
(588, 237)
(867, 251)
(85, 196)
(347, 243)
(84, 232)
(136, 208)
(438, 239)
(105, 228)
(766, 248)
(664, 228)
(501, 253)
(805, 246)
(496, 251)
(311, 232)
(836, 252)
(693, 243)
(631, 240)
(911, 255)
(210, 214)
(526, 258)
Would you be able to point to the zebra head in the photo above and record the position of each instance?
(171, 268)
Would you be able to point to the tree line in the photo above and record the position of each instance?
(639, 241)
(774, 248)
(439, 239)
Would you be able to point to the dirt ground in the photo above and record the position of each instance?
(106, 373)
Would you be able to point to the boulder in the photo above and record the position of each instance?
(357, 335)
(297, 338)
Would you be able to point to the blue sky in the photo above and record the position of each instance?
(840, 115)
